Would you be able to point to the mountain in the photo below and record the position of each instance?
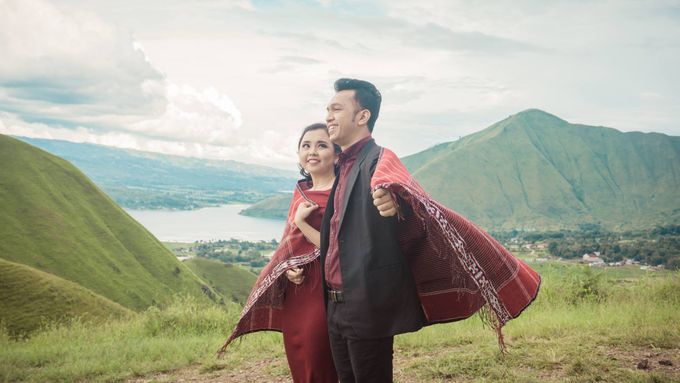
(143, 180)
(276, 207)
(30, 298)
(535, 171)
(54, 219)
(231, 281)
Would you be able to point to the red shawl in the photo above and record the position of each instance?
(265, 302)
(458, 267)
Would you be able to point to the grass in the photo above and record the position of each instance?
(29, 298)
(231, 281)
(187, 332)
(54, 219)
(565, 336)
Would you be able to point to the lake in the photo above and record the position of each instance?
(206, 224)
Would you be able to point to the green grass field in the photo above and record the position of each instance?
(233, 282)
(585, 326)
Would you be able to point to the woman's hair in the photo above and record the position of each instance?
(316, 126)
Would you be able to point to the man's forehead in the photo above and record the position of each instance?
(343, 97)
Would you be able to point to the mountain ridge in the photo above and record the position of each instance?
(534, 150)
(145, 180)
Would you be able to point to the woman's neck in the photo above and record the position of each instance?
(322, 182)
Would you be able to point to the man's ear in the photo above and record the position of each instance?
(364, 116)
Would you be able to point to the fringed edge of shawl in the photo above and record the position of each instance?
(258, 292)
(493, 313)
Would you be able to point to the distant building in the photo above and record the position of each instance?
(593, 259)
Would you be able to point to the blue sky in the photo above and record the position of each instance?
(239, 79)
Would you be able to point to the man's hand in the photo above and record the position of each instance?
(382, 199)
(295, 275)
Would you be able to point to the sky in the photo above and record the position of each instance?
(240, 79)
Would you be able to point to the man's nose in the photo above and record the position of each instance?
(329, 116)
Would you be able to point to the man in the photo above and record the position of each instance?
(385, 276)
(370, 291)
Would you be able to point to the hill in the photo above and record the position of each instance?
(275, 207)
(231, 281)
(29, 298)
(535, 171)
(54, 219)
(143, 180)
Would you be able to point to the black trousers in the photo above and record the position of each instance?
(357, 360)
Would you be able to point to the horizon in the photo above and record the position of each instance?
(287, 166)
(238, 80)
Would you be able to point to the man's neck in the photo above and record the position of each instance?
(355, 140)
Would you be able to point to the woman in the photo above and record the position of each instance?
(288, 294)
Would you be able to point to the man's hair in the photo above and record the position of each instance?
(365, 94)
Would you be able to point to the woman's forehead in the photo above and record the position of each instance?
(316, 135)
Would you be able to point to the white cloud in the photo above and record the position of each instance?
(67, 74)
(71, 66)
(445, 68)
(192, 116)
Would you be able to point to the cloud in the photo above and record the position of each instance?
(72, 67)
(67, 74)
(263, 150)
(193, 116)
(445, 67)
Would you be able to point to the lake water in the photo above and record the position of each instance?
(206, 224)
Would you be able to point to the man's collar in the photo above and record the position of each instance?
(354, 149)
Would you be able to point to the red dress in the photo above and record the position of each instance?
(305, 332)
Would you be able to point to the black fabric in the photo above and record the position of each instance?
(380, 294)
(358, 360)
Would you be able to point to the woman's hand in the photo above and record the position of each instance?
(303, 211)
(295, 275)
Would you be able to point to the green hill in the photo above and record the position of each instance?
(29, 298)
(54, 219)
(273, 207)
(535, 171)
(231, 281)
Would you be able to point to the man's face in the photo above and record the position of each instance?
(342, 119)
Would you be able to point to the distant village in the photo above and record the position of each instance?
(254, 254)
(653, 249)
(592, 259)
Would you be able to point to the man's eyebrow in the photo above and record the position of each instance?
(333, 104)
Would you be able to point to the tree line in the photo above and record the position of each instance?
(657, 246)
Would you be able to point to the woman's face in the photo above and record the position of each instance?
(316, 153)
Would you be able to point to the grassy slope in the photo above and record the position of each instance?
(54, 219)
(563, 337)
(231, 281)
(30, 298)
(536, 171)
(272, 207)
